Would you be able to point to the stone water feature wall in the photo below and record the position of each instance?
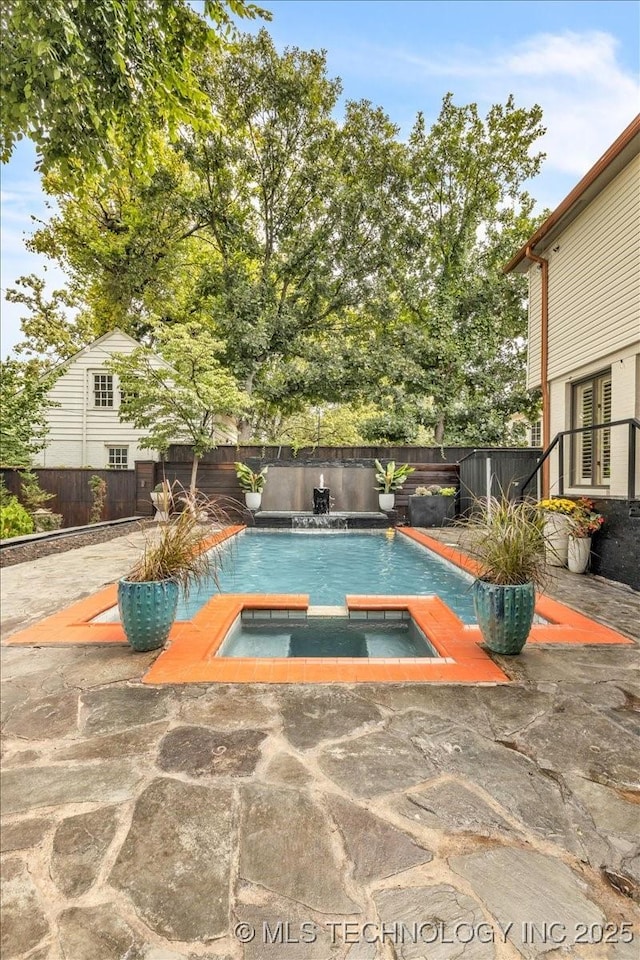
(291, 488)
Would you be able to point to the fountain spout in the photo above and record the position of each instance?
(321, 498)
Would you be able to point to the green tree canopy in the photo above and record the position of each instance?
(79, 76)
(296, 205)
(53, 327)
(332, 262)
(23, 405)
(129, 242)
(459, 336)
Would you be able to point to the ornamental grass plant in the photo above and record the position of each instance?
(507, 539)
(173, 551)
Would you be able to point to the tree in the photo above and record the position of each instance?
(23, 405)
(185, 399)
(128, 243)
(51, 334)
(460, 332)
(333, 263)
(295, 206)
(267, 229)
(328, 425)
(85, 75)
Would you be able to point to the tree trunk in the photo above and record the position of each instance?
(194, 474)
(244, 431)
(439, 432)
(245, 428)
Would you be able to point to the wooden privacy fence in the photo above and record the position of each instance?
(73, 497)
(128, 490)
(448, 466)
(217, 477)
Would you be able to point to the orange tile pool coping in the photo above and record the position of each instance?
(191, 654)
(565, 625)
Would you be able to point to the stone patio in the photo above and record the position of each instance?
(295, 822)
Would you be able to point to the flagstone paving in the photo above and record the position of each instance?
(226, 822)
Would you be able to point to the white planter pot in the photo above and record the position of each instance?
(578, 554)
(386, 501)
(253, 500)
(556, 531)
(159, 501)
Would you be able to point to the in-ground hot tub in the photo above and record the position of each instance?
(318, 633)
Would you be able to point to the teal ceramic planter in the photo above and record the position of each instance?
(147, 612)
(505, 615)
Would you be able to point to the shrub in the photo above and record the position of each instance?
(98, 498)
(45, 520)
(14, 520)
(31, 493)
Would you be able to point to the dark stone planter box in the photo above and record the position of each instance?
(433, 511)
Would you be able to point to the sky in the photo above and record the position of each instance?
(579, 60)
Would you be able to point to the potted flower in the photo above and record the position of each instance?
(432, 506)
(557, 512)
(252, 483)
(162, 500)
(390, 479)
(585, 521)
(172, 560)
(508, 542)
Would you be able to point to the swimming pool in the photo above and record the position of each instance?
(328, 566)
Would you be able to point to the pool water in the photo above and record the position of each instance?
(325, 637)
(328, 566)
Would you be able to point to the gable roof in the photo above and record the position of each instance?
(616, 158)
(94, 343)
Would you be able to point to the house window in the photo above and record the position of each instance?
(118, 458)
(591, 450)
(102, 390)
(536, 434)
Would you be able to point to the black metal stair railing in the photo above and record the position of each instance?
(558, 442)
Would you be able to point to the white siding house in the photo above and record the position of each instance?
(587, 256)
(84, 426)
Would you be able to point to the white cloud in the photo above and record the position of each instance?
(571, 54)
(587, 96)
